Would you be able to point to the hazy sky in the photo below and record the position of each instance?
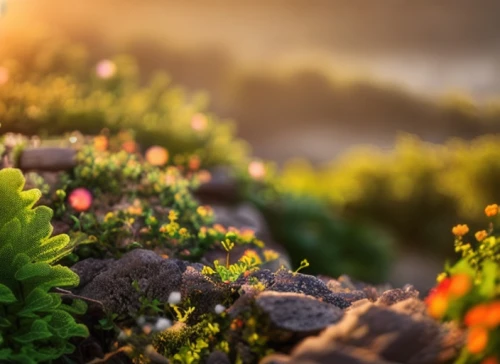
(430, 45)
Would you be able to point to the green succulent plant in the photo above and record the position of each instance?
(35, 326)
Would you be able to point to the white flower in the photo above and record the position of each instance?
(174, 298)
(141, 320)
(162, 324)
(219, 309)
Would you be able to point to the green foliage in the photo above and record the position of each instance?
(191, 344)
(332, 246)
(415, 192)
(35, 326)
(136, 204)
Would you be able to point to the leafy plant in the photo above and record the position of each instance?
(35, 326)
(249, 262)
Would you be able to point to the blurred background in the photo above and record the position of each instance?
(384, 111)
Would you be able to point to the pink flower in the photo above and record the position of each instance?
(257, 170)
(199, 122)
(80, 199)
(105, 69)
(4, 75)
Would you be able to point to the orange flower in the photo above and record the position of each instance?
(490, 360)
(460, 285)
(204, 176)
(491, 210)
(129, 146)
(437, 305)
(157, 156)
(492, 319)
(460, 230)
(480, 235)
(101, 143)
(476, 315)
(194, 163)
(477, 339)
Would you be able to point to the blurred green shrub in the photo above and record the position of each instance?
(415, 191)
(63, 92)
(310, 230)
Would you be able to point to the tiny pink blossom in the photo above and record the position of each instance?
(105, 69)
(257, 170)
(4, 75)
(199, 122)
(80, 199)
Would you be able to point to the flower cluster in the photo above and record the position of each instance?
(468, 293)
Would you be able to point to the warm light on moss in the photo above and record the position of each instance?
(80, 199)
(157, 156)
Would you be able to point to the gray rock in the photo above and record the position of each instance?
(373, 333)
(396, 295)
(156, 277)
(218, 357)
(286, 281)
(203, 293)
(297, 313)
(88, 268)
(332, 354)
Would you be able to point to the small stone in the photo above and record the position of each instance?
(297, 312)
(286, 281)
(393, 296)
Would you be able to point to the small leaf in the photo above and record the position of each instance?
(77, 307)
(488, 279)
(30, 270)
(38, 300)
(39, 331)
(6, 295)
(5, 322)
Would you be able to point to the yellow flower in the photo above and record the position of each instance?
(270, 255)
(460, 230)
(480, 235)
(491, 210)
(441, 277)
